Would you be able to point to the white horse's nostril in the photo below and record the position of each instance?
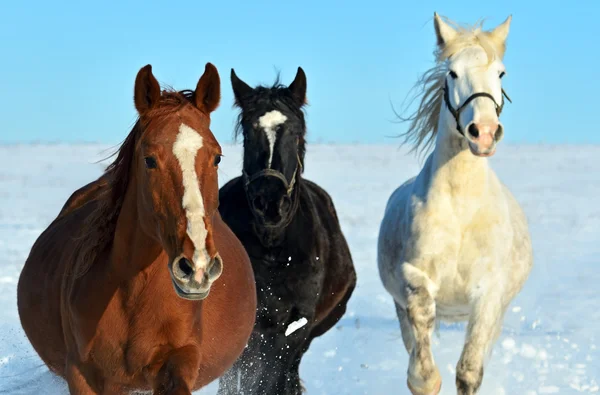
(483, 130)
(473, 130)
(499, 133)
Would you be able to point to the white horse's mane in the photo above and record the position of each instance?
(428, 90)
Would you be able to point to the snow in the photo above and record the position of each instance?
(294, 326)
(551, 332)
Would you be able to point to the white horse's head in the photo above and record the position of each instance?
(473, 95)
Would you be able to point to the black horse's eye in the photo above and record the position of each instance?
(150, 162)
(453, 75)
(217, 160)
(502, 74)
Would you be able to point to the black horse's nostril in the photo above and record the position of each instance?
(258, 203)
(185, 268)
(285, 204)
(473, 131)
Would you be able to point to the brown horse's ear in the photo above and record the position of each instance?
(240, 88)
(298, 87)
(208, 91)
(147, 90)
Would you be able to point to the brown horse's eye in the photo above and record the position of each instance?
(217, 160)
(150, 162)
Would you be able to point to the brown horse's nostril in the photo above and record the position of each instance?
(184, 269)
(473, 130)
(215, 269)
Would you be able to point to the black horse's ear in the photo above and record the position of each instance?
(298, 87)
(240, 89)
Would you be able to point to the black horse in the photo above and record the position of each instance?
(302, 265)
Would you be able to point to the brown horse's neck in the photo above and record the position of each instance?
(120, 271)
(132, 249)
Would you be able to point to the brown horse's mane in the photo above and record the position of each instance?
(99, 227)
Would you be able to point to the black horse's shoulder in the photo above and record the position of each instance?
(231, 193)
(321, 198)
(232, 199)
(231, 188)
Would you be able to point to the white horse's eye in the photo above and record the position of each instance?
(452, 74)
(502, 74)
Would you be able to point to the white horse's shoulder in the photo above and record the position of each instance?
(522, 252)
(400, 195)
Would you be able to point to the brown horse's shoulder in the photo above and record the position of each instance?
(228, 244)
(238, 276)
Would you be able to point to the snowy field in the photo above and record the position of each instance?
(551, 337)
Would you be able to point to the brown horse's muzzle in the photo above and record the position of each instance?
(191, 282)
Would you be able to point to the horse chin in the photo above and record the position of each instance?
(482, 154)
(189, 296)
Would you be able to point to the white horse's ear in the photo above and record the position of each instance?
(443, 31)
(501, 31)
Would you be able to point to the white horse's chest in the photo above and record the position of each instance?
(463, 242)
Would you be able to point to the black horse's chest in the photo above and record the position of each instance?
(288, 277)
(287, 288)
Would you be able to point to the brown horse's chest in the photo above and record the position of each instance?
(138, 329)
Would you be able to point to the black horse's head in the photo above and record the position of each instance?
(273, 126)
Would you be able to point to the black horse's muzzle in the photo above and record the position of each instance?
(269, 195)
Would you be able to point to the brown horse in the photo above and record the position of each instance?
(114, 295)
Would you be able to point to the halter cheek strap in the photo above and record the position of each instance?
(456, 111)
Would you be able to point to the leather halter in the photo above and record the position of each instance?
(289, 186)
(456, 111)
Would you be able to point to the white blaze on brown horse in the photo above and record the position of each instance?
(138, 283)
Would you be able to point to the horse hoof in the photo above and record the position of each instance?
(435, 390)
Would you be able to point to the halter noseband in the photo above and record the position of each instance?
(456, 111)
(289, 186)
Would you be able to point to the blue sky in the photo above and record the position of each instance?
(67, 68)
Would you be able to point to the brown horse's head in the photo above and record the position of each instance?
(175, 167)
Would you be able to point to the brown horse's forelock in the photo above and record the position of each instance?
(98, 229)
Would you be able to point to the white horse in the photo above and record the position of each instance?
(454, 244)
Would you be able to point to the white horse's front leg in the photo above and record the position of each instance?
(423, 376)
(485, 324)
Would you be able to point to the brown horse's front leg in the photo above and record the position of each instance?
(178, 372)
(78, 383)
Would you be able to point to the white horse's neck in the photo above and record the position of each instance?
(454, 169)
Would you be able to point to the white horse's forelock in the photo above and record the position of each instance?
(185, 148)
